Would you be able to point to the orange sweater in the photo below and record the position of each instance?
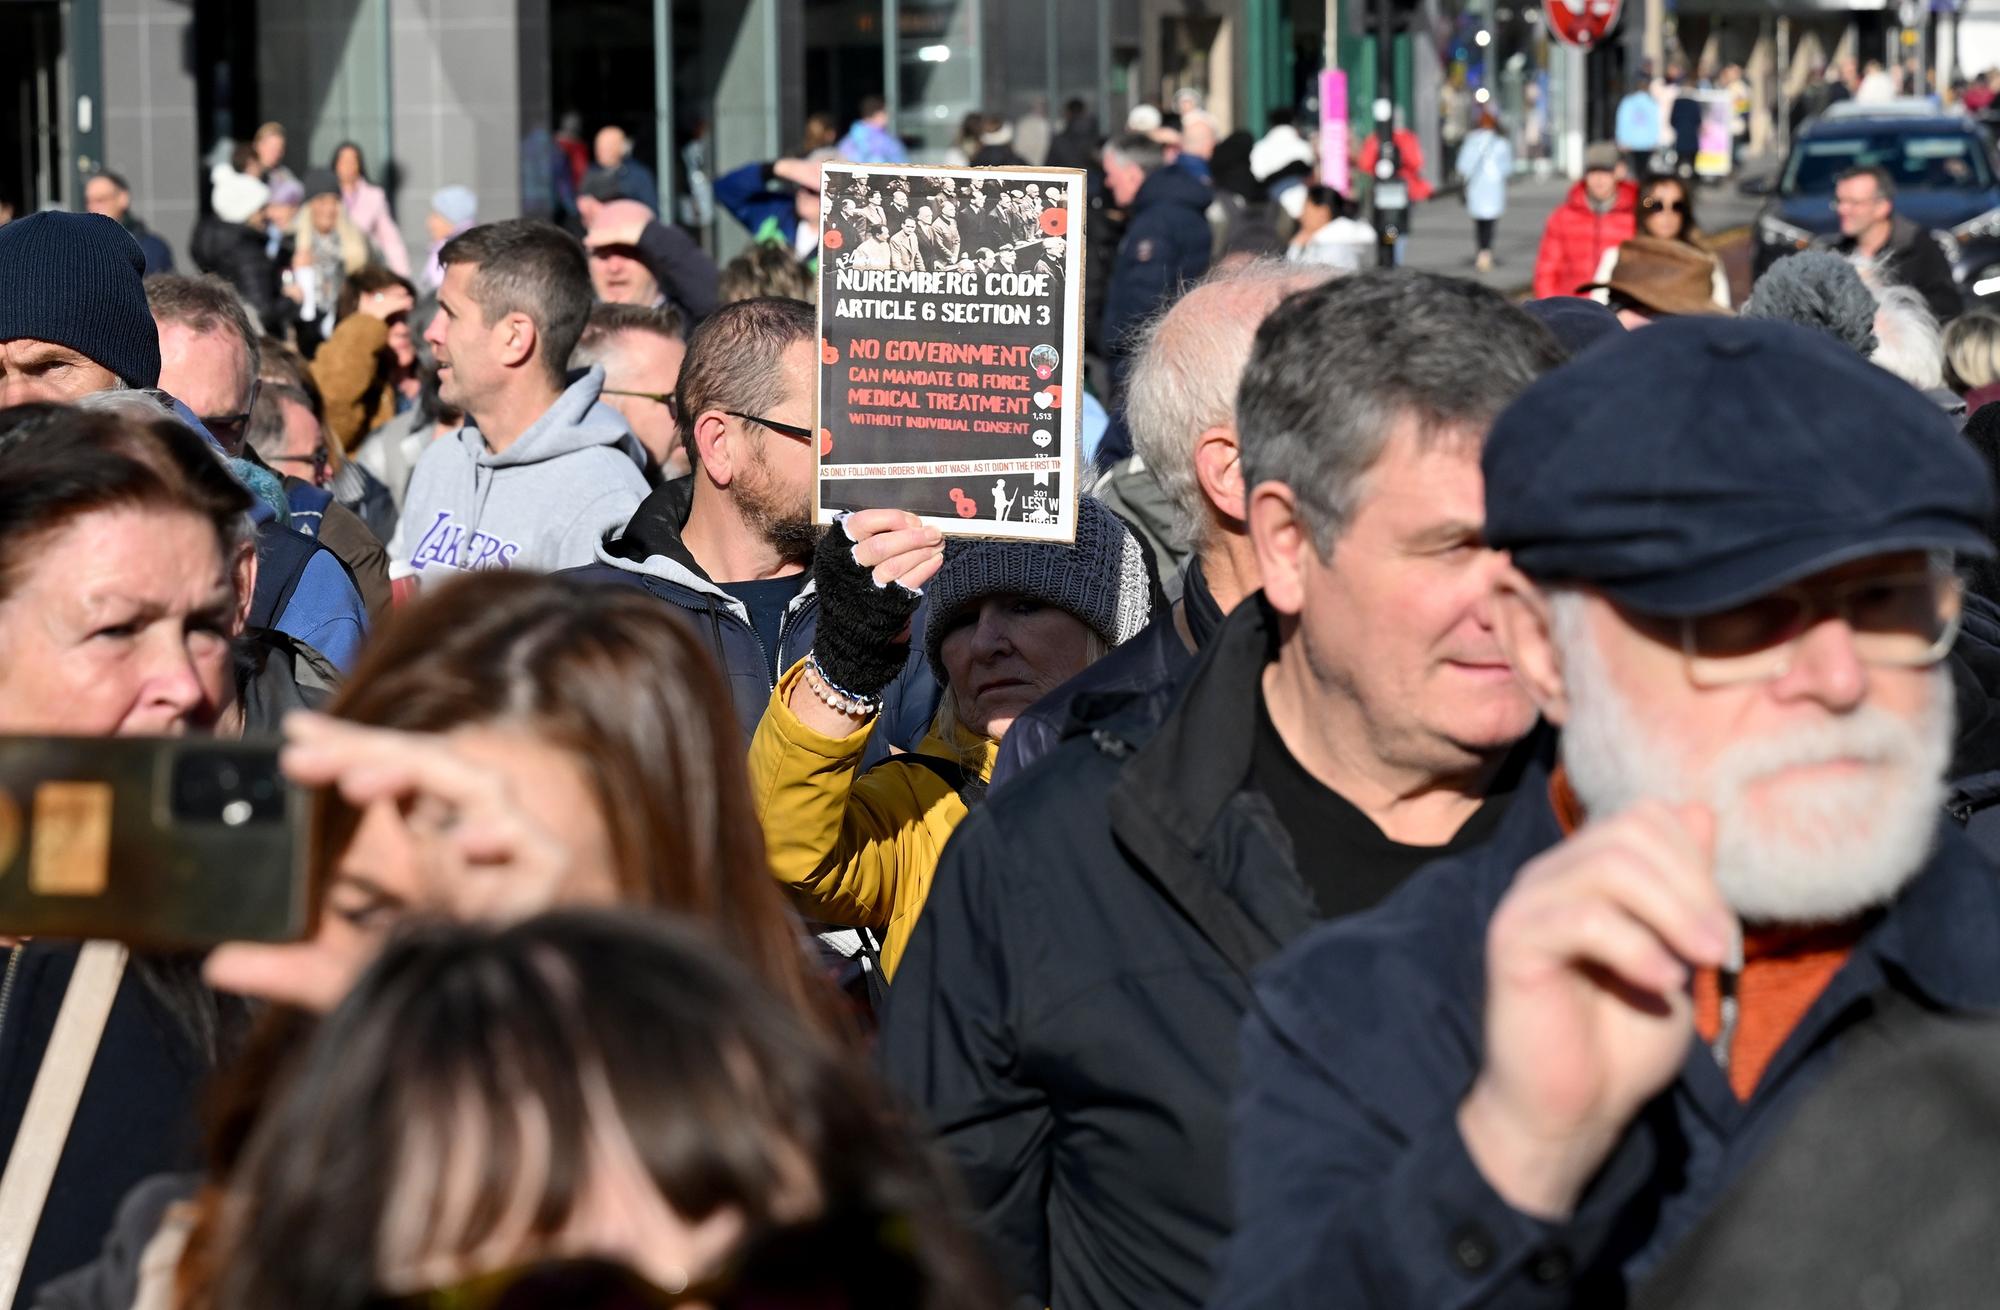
(1784, 972)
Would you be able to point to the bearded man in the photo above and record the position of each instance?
(1740, 872)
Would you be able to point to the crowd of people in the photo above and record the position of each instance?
(1443, 833)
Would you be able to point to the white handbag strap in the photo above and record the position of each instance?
(38, 1145)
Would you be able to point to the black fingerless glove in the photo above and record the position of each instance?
(861, 644)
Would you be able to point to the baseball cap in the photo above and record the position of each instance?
(1700, 463)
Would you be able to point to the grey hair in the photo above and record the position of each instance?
(1817, 289)
(1189, 360)
(140, 403)
(1140, 149)
(1336, 368)
(1909, 342)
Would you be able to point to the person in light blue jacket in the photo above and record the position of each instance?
(1640, 129)
(1485, 161)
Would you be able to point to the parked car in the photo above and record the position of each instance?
(1946, 173)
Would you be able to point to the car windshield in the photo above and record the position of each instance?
(1939, 161)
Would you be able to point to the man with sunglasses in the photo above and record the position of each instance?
(641, 348)
(1528, 1075)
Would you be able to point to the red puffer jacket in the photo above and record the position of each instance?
(1577, 237)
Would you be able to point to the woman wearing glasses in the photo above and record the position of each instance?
(1666, 211)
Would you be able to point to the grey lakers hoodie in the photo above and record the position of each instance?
(542, 503)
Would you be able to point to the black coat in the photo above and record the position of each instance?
(1167, 244)
(138, 1115)
(1914, 258)
(1066, 1013)
(235, 253)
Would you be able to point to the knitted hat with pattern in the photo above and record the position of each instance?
(1101, 579)
(78, 280)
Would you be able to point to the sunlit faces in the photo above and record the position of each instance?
(1394, 624)
(1008, 652)
(33, 371)
(122, 626)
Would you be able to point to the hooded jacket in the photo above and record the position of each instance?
(542, 503)
(1577, 236)
(1167, 243)
(648, 553)
(858, 846)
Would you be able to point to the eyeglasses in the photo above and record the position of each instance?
(228, 429)
(1867, 202)
(1900, 621)
(319, 460)
(1654, 206)
(664, 397)
(791, 430)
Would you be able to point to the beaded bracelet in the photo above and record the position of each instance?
(836, 697)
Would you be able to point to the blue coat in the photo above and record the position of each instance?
(1349, 1170)
(1485, 161)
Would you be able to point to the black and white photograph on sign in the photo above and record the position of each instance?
(951, 352)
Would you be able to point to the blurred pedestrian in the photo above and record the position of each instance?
(1640, 131)
(542, 469)
(1599, 212)
(367, 370)
(1864, 198)
(1349, 725)
(1329, 235)
(869, 140)
(1486, 162)
(764, 268)
(267, 152)
(1972, 358)
(1166, 242)
(368, 208)
(1006, 623)
(666, 1132)
(327, 246)
(1589, 1028)
(454, 209)
(108, 194)
(614, 167)
(778, 201)
(232, 241)
(1666, 213)
(640, 349)
(637, 260)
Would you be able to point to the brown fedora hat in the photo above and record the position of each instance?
(1662, 276)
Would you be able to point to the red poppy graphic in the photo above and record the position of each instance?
(825, 443)
(833, 240)
(1055, 222)
(827, 354)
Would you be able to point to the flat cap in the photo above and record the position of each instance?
(1699, 463)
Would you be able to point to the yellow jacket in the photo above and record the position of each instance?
(856, 848)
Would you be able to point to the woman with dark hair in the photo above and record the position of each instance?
(125, 572)
(581, 1110)
(510, 742)
(368, 208)
(1666, 212)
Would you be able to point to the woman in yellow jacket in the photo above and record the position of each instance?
(1008, 623)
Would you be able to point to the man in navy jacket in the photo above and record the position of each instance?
(1530, 1073)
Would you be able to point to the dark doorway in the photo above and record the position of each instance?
(31, 147)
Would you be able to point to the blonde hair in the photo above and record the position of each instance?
(353, 245)
(1972, 351)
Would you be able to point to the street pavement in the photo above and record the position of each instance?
(1441, 233)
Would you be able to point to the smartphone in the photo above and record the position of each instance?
(165, 842)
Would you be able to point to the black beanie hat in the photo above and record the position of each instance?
(78, 280)
(320, 182)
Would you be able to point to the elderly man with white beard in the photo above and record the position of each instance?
(1531, 1072)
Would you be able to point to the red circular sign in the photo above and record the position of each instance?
(1055, 222)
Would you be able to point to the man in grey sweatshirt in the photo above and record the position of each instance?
(543, 468)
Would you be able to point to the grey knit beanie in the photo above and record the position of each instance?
(1101, 579)
(1817, 289)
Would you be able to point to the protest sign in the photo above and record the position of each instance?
(951, 346)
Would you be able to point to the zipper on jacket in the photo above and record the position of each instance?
(7, 983)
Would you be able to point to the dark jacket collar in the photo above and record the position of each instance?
(1940, 933)
(655, 527)
(1198, 604)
